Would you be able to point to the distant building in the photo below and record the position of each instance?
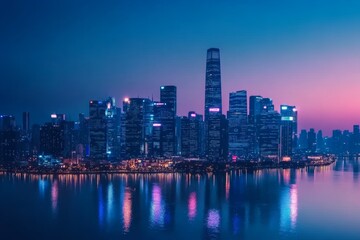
(311, 140)
(97, 130)
(9, 139)
(26, 122)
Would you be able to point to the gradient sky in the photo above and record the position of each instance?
(56, 55)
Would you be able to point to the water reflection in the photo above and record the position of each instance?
(54, 195)
(100, 206)
(235, 205)
(110, 202)
(192, 206)
(157, 207)
(127, 205)
(213, 220)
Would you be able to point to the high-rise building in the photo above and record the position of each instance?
(237, 117)
(97, 130)
(255, 108)
(258, 105)
(269, 134)
(52, 139)
(288, 130)
(191, 135)
(26, 122)
(320, 146)
(217, 137)
(113, 132)
(311, 139)
(138, 127)
(215, 122)
(84, 138)
(168, 121)
(286, 138)
(303, 142)
(289, 113)
(9, 139)
(168, 96)
(355, 141)
(213, 98)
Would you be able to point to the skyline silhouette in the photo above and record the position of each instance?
(58, 56)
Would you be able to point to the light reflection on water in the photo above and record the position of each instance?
(242, 204)
(192, 206)
(157, 207)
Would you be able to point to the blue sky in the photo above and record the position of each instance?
(57, 55)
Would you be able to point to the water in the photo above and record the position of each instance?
(312, 203)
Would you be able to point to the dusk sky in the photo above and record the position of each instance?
(57, 55)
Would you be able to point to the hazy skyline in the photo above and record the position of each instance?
(57, 55)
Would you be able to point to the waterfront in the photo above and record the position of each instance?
(312, 202)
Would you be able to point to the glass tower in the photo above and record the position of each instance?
(213, 82)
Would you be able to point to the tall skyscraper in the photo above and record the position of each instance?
(237, 117)
(164, 121)
(168, 121)
(288, 130)
(213, 98)
(168, 96)
(215, 122)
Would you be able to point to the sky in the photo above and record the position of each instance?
(57, 55)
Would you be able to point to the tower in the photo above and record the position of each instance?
(215, 122)
(213, 82)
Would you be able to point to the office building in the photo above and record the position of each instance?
(237, 117)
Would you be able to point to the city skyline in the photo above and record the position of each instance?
(59, 57)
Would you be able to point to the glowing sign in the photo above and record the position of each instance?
(156, 124)
(294, 109)
(162, 87)
(287, 118)
(53, 116)
(126, 100)
(193, 115)
(214, 109)
(284, 107)
(159, 104)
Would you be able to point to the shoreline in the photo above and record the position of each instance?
(201, 170)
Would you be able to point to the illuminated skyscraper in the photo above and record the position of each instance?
(213, 82)
(168, 121)
(288, 130)
(215, 122)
